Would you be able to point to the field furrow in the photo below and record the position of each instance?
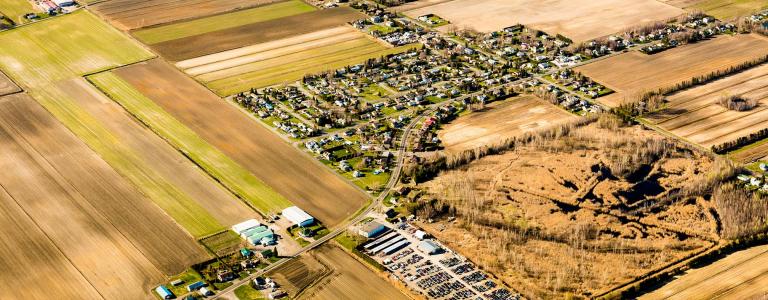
(262, 47)
(288, 171)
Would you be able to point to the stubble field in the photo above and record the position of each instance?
(330, 273)
(694, 115)
(741, 275)
(16, 9)
(579, 20)
(104, 227)
(632, 73)
(499, 121)
(227, 210)
(284, 60)
(132, 14)
(291, 173)
(177, 30)
(7, 86)
(721, 9)
(255, 33)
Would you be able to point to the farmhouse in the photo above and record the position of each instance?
(298, 217)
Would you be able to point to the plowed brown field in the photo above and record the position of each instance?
(580, 20)
(131, 14)
(330, 273)
(287, 170)
(741, 275)
(635, 72)
(7, 86)
(501, 120)
(260, 32)
(82, 206)
(159, 155)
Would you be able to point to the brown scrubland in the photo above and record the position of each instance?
(581, 208)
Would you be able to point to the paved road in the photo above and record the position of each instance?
(228, 293)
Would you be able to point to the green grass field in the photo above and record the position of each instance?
(728, 9)
(246, 292)
(291, 70)
(16, 9)
(65, 47)
(41, 55)
(230, 20)
(237, 179)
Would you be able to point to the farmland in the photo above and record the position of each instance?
(330, 273)
(7, 86)
(254, 33)
(119, 141)
(562, 200)
(132, 14)
(631, 73)
(289, 172)
(694, 114)
(579, 20)
(721, 9)
(232, 175)
(284, 60)
(96, 220)
(16, 9)
(499, 121)
(64, 52)
(158, 34)
(741, 275)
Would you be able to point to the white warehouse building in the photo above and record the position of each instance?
(298, 217)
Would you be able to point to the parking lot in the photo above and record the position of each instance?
(443, 275)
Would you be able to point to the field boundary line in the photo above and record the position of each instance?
(186, 155)
(74, 192)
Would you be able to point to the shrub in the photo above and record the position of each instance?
(737, 103)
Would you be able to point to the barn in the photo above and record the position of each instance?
(298, 217)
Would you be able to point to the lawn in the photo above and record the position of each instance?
(728, 9)
(246, 292)
(233, 176)
(16, 9)
(179, 30)
(292, 71)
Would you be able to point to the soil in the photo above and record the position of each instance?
(295, 175)
(499, 121)
(631, 73)
(132, 14)
(579, 20)
(694, 114)
(261, 32)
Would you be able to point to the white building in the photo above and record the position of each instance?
(248, 224)
(297, 216)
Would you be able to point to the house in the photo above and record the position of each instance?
(164, 292)
(298, 217)
(225, 275)
(372, 229)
